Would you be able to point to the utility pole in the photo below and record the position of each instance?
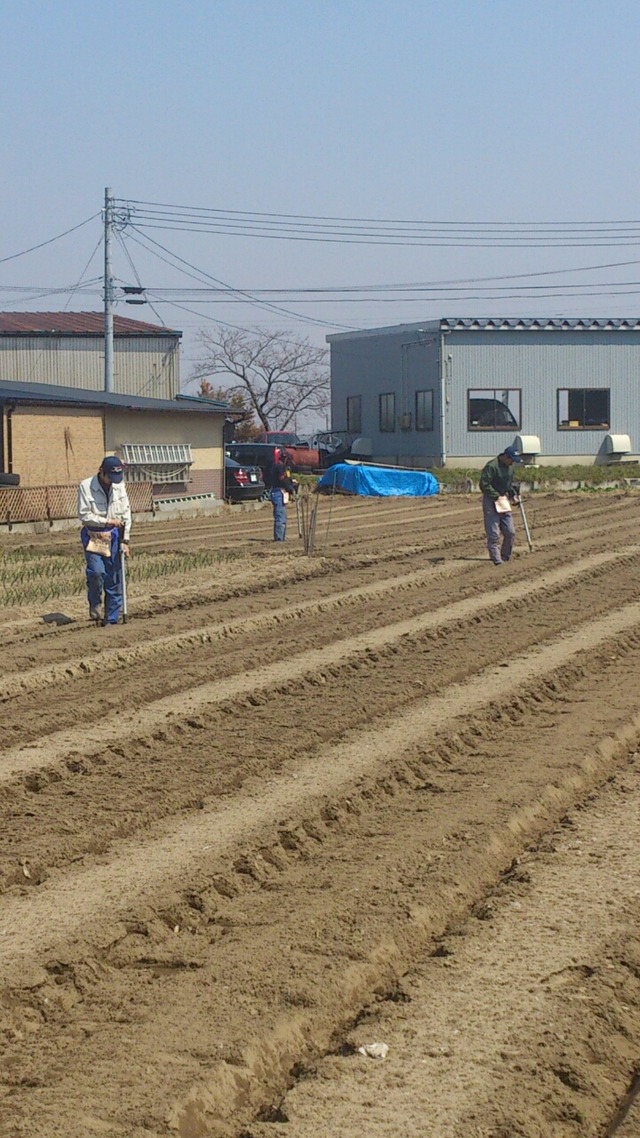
(108, 292)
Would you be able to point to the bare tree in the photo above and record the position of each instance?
(279, 374)
(245, 429)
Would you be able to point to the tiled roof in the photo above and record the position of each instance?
(39, 394)
(76, 323)
(542, 324)
(497, 324)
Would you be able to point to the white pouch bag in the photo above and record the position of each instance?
(503, 505)
(99, 542)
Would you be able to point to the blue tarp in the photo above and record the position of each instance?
(379, 481)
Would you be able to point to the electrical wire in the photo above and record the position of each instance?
(80, 278)
(303, 227)
(630, 240)
(334, 295)
(72, 293)
(49, 288)
(50, 241)
(153, 206)
(238, 292)
(123, 245)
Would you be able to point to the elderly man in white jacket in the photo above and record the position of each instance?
(105, 514)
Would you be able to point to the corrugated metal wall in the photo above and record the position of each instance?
(403, 362)
(148, 366)
(539, 363)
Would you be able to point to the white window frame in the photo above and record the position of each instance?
(157, 462)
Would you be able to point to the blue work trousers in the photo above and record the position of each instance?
(279, 515)
(498, 526)
(103, 575)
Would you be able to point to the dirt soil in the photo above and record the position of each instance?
(389, 793)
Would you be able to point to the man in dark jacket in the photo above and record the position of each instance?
(281, 483)
(498, 494)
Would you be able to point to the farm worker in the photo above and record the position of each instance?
(105, 514)
(281, 484)
(498, 492)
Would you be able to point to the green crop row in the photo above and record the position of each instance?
(29, 578)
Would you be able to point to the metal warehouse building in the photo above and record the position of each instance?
(457, 391)
(67, 349)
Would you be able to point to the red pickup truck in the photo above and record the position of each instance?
(303, 456)
(312, 457)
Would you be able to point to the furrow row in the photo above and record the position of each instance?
(409, 823)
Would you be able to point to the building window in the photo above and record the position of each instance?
(387, 404)
(491, 409)
(583, 408)
(157, 462)
(424, 410)
(354, 414)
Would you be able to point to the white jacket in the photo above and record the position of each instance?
(94, 507)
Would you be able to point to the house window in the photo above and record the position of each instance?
(387, 404)
(157, 462)
(424, 410)
(354, 414)
(583, 408)
(493, 409)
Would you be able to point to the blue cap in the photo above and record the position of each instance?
(513, 454)
(113, 468)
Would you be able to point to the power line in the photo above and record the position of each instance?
(346, 295)
(237, 292)
(624, 241)
(372, 220)
(301, 227)
(123, 245)
(50, 241)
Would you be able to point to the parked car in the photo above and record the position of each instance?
(262, 455)
(300, 454)
(242, 483)
(286, 438)
(325, 449)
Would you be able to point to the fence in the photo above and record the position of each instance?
(53, 503)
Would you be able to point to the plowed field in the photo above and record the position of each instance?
(298, 805)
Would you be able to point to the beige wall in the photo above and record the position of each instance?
(202, 431)
(58, 446)
(55, 446)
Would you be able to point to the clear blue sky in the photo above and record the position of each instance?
(452, 111)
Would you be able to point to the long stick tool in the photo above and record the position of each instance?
(123, 585)
(526, 527)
